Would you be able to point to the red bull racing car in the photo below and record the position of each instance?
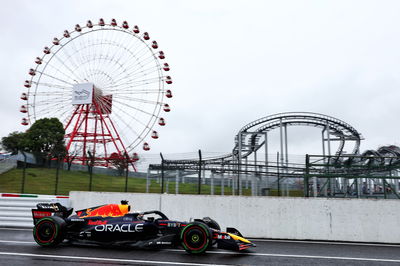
(114, 224)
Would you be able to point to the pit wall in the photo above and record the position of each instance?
(358, 220)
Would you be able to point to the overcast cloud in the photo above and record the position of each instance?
(233, 62)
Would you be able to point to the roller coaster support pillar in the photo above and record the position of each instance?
(255, 162)
(315, 186)
(278, 170)
(358, 186)
(281, 138)
(286, 147)
(266, 159)
(328, 138)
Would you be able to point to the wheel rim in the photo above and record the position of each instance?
(195, 238)
(45, 231)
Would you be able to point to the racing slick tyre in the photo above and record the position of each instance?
(49, 231)
(196, 238)
(212, 224)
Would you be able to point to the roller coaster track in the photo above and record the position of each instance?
(252, 137)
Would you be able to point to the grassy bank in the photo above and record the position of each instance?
(43, 181)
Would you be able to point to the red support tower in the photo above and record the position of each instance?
(91, 126)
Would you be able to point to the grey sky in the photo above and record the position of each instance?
(236, 61)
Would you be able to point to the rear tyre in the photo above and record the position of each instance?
(196, 238)
(49, 231)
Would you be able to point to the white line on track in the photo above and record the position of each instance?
(306, 256)
(324, 242)
(295, 256)
(195, 264)
(179, 250)
(16, 229)
(107, 259)
(17, 242)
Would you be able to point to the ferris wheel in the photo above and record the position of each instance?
(107, 84)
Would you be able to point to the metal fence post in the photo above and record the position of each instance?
(127, 172)
(147, 180)
(90, 166)
(222, 184)
(199, 183)
(212, 183)
(177, 182)
(162, 173)
(23, 174)
(306, 176)
(57, 174)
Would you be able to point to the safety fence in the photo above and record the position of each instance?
(344, 176)
(347, 176)
(15, 209)
(352, 176)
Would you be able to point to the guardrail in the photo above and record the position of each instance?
(15, 209)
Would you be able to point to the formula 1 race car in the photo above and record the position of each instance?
(114, 224)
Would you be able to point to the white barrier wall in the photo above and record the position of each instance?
(16, 209)
(359, 220)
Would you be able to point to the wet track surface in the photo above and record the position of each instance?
(17, 247)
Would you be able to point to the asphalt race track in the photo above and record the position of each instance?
(17, 247)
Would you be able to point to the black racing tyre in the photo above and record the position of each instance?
(196, 238)
(49, 231)
(212, 224)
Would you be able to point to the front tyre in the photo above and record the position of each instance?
(196, 238)
(49, 231)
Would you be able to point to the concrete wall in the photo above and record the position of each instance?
(16, 209)
(360, 220)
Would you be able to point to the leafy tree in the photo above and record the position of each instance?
(13, 142)
(45, 138)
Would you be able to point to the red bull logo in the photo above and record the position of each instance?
(90, 222)
(110, 210)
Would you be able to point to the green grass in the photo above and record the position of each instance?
(43, 181)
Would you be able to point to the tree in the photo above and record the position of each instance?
(13, 142)
(120, 162)
(69, 158)
(45, 139)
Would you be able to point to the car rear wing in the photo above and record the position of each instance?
(50, 209)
